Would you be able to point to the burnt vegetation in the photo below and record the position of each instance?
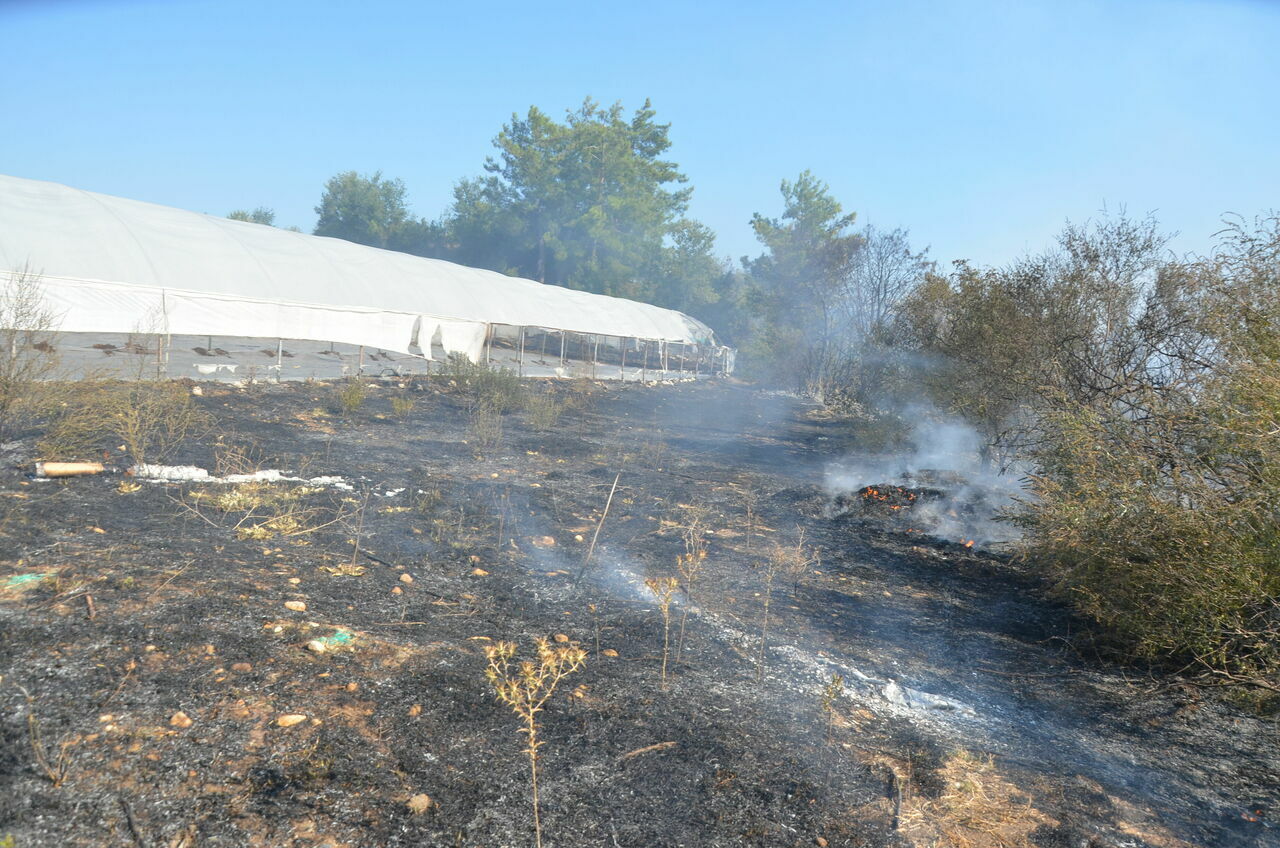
(316, 641)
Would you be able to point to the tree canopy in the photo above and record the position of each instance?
(367, 210)
(261, 215)
(590, 204)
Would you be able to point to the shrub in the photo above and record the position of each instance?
(543, 411)
(402, 406)
(494, 387)
(27, 354)
(152, 419)
(348, 397)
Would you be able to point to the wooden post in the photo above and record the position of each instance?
(542, 357)
(562, 335)
(520, 361)
(279, 359)
(488, 333)
(360, 365)
(595, 355)
(622, 370)
(644, 361)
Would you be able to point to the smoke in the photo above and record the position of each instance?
(961, 493)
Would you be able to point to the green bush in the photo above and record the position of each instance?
(348, 397)
(1163, 527)
(543, 411)
(496, 388)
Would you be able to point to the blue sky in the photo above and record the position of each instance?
(980, 126)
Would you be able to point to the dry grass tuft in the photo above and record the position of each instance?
(978, 808)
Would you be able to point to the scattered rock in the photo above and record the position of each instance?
(609, 652)
(479, 572)
(544, 541)
(316, 646)
(290, 720)
(577, 537)
(820, 842)
(295, 580)
(397, 591)
(241, 668)
(353, 686)
(296, 606)
(420, 803)
(181, 719)
(561, 638)
(415, 710)
(406, 578)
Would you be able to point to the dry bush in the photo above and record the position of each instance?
(690, 564)
(485, 427)
(977, 808)
(526, 688)
(152, 420)
(27, 354)
(663, 588)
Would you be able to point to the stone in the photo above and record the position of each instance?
(396, 590)
(415, 710)
(241, 668)
(317, 646)
(561, 638)
(290, 720)
(420, 803)
(479, 572)
(820, 842)
(609, 652)
(296, 606)
(406, 578)
(181, 720)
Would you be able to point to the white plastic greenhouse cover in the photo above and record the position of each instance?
(108, 264)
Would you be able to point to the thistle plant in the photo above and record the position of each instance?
(526, 688)
(690, 565)
(663, 588)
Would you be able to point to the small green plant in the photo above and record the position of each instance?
(402, 407)
(494, 387)
(349, 397)
(543, 411)
(485, 427)
(663, 588)
(526, 688)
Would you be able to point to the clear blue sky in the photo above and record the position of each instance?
(981, 126)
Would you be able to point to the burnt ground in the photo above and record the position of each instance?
(963, 686)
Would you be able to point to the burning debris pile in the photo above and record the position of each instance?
(936, 503)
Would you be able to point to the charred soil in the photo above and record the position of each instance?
(301, 662)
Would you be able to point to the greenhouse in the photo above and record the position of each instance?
(203, 287)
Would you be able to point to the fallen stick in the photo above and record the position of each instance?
(586, 561)
(647, 749)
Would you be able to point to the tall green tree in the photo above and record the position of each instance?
(800, 283)
(367, 210)
(261, 215)
(590, 204)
